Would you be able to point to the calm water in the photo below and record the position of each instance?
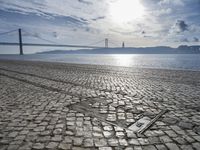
(164, 61)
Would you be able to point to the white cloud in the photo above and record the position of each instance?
(160, 12)
(172, 2)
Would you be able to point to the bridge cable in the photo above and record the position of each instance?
(114, 44)
(95, 43)
(3, 33)
(37, 36)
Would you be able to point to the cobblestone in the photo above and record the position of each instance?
(68, 106)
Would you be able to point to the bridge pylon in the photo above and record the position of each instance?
(106, 42)
(20, 42)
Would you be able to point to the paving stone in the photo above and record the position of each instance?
(13, 134)
(3, 147)
(117, 128)
(52, 145)
(12, 147)
(77, 141)
(131, 134)
(24, 132)
(129, 148)
(197, 129)
(134, 142)
(113, 142)
(153, 140)
(185, 125)
(97, 134)
(172, 146)
(137, 148)
(143, 141)
(88, 143)
(120, 134)
(24, 148)
(188, 139)
(43, 139)
(105, 148)
(38, 129)
(63, 146)
(69, 133)
(186, 147)
(161, 147)
(123, 142)
(108, 128)
(38, 146)
(107, 134)
(197, 138)
(165, 139)
(57, 138)
(18, 142)
(79, 148)
(170, 120)
(149, 147)
(180, 140)
(171, 133)
(57, 131)
(196, 145)
(21, 137)
(100, 142)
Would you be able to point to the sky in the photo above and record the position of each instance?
(137, 23)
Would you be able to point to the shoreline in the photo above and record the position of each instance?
(103, 65)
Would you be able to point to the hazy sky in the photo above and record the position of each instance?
(136, 22)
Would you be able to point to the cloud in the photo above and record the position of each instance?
(180, 26)
(195, 39)
(172, 2)
(122, 32)
(85, 2)
(55, 8)
(164, 11)
(55, 34)
(184, 40)
(98, 18)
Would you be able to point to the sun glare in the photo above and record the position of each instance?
(123, 59)
(123, 11)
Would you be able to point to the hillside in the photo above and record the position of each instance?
(183, 49)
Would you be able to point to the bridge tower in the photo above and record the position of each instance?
(20, 43)
(106, 43)
(123, 44)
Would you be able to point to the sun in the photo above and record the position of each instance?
(123, 11)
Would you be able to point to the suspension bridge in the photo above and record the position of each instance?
(50, 43)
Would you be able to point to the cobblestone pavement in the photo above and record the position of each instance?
(68, 106)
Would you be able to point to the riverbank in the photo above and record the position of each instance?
(72, 106)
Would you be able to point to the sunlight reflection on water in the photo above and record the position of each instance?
(164, 61)
(124, 60)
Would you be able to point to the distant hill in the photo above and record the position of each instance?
(182, 49)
